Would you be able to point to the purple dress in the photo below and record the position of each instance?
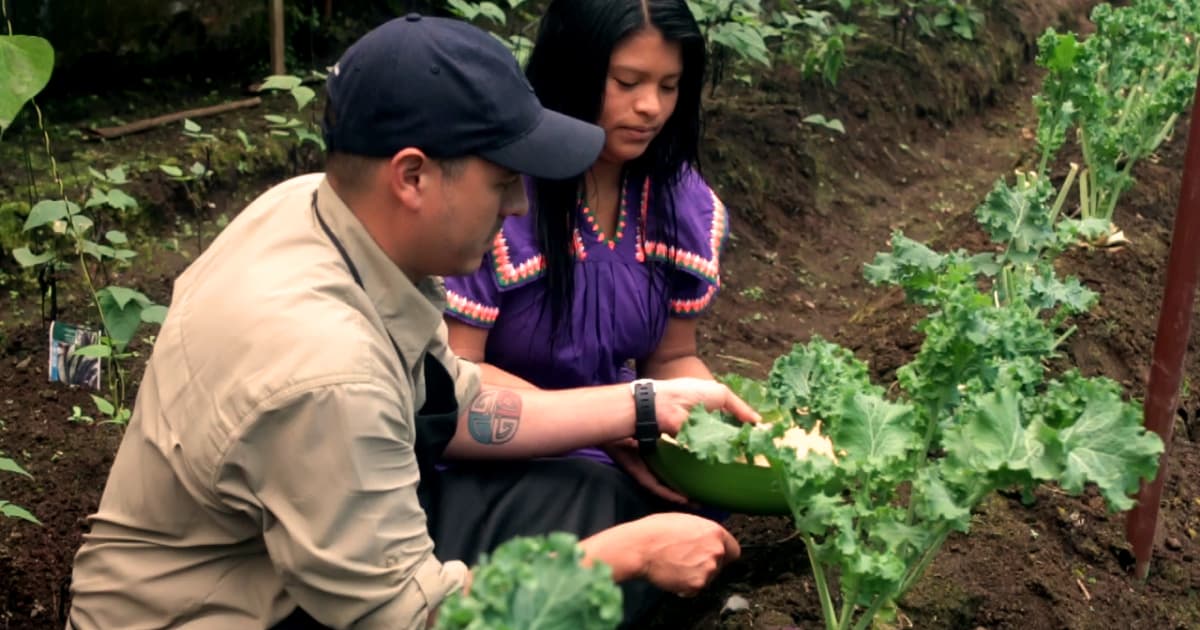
(615, 320)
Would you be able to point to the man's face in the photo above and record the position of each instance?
(476, 196)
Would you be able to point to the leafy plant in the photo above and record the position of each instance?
(975, 411)
(301, 131)
(1121, 90)
(513, 25)
(7, 508)
(536, 583)
(64, 233)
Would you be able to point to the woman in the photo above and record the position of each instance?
(606, 277)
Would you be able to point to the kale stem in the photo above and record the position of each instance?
(831, 618)
(848, 607)
(865, 621)
(1062, 192)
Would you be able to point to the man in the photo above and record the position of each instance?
(281, 468)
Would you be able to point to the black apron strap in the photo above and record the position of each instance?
(436, 423)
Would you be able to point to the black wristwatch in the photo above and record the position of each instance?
(646, 428)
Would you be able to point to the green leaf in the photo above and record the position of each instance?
(169, 169)
(116, 237)
(27, 258)
(1108, 446)
(814, 378)
(190, 125)
(991, 440)
(124, 254)
(198, 169)
(82, 223)
(303, 95)
(116, 175)
(8, 465)
(155, 314)
(118, 199)
(123, 296)
(935, 501)
(12, 510)
(25, 66)
(874, 433)
(283, 82)
(463, 9)
(122, 309)
(96, 250)
(49, 211)
(103, 405)
(535, 584)
(491, 11)
(710, 437)
(245, 140)
(818, 119)
(95, 351)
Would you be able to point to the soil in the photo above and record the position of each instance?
(929, 128)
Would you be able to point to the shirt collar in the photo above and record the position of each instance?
(410, 313)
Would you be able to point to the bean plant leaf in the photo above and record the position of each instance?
(49, 211)
(26, 63)
(8, 465)
(26, 258)
(12, 510)
(282, 82)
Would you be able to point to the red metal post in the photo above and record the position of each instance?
(1170, 344)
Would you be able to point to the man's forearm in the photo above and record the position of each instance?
(521, 423)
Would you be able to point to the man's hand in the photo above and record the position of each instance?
(678, 553)
(674, 399)
(625, 453)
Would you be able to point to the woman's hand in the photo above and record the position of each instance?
(674, 399)
(625, 453)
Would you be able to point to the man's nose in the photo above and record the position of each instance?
(516, 204)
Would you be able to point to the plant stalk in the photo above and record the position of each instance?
(831, 618)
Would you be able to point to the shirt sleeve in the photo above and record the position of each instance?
(703, 229)
(465, 374)
(474, 299)
(332, 477)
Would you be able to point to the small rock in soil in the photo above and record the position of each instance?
(735, 603)
(1174, 544)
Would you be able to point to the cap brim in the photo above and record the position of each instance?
(559, 147)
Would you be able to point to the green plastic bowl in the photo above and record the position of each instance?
(741, 488)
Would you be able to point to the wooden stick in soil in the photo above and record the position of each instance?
(109, 133)
(1170, 346)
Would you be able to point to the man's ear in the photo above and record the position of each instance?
(408, 176)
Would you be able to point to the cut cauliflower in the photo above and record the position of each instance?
(805, 442)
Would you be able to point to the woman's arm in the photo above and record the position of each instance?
(469, 343)
(676, 355)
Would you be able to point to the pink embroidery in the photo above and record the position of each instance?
(470, 309)
(710, 268)
(506, 273)
(696, 305)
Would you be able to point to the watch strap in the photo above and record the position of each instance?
(646, 430)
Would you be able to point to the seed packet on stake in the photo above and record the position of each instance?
(66, 364)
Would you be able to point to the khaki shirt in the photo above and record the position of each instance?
(269, 463)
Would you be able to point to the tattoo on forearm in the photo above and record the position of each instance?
(494, 417)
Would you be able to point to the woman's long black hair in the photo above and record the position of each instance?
(568, 69)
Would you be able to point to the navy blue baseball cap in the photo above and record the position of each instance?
(451, 90)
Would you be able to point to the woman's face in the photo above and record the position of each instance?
(639, 93)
